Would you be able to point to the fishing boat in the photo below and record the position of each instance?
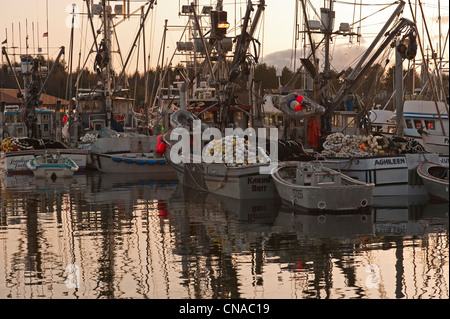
(214, 104)
(314, 187)
(107, 122)
(422, 115)
(53, 166)
(420, 121)
(28, 129)
(133, 157)
(435, 178)
(133, 153)
(391, 163)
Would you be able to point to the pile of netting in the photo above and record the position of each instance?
(95, 135)
(12, 144)
(235, 151)
(340, 145)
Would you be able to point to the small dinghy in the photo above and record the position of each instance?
(52, 166)
(311, 186)
(435, 179)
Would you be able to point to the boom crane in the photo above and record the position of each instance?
(238, 64)
(359, 71)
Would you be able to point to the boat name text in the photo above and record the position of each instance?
(390, 161)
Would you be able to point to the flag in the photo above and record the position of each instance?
(45, 35)
(6, 40)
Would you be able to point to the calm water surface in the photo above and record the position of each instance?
(101, 236)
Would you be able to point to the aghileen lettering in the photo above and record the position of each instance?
(390, 161)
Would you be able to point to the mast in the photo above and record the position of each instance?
(429, 76)
(69, 78)
(399, 92)
(107, 74)
(328, 29)
(357, 70)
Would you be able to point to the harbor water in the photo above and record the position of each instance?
(110, 236)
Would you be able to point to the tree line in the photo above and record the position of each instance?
(376, 87)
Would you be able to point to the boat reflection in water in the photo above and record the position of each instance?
(391, 252)
(109, 237)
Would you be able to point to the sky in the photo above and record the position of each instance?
(275, 32)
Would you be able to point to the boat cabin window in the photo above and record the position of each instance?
(418, 124)
(337, 120)
(280, 120)
(98, 125)
(429, 124)
(350, 121)
(409, 124)
(377, 128)
(272, 120)
(208, 117)
(239, 116)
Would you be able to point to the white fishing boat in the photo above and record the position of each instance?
(420, 121)
(229, 167)
(393, 175)
(390, 165)
(131, 154)
(314, 187)
(435, 178)
(107, 121)
(213, 99)
(422, 115)
(109, 104)
(53, 166)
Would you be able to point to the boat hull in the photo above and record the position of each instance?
(238, 182)
(437, 188)
(52, 172)
(393, 175)
(349, 195)
(130, 163)
(244, 182)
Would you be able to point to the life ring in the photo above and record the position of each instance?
(321, 205)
